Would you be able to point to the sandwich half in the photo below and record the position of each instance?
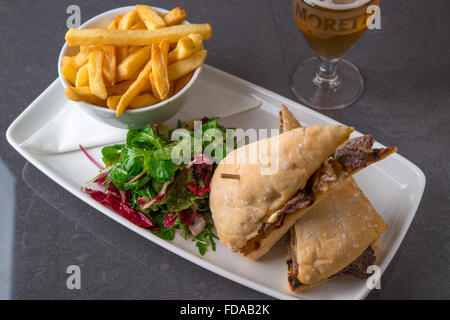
(337, 236)
(352, 156)
(248, 211)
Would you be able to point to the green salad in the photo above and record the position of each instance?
(159, 180)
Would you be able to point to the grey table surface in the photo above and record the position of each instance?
(406, 103)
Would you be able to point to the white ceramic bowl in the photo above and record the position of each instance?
(130, 119)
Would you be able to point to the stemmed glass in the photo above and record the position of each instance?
(331, 27)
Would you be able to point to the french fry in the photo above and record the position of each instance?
(144, 100)
(164, 46)
(119, 88)
(140, 25)
(122, 87)
(113, 25)
(141, 101)
(134, 89)
(197, 39)
(117, 19)
(127, 20)
(182, 82)
(96, 84)
(184, 49)
(82, 57)
(153, 87)
(68, 69)
(174, 16)
(147, 86)
(125, 23)
(85, 95)
(82, 79)
(121, 53)
(183, 67)
(150, 17)
(81, 37)
(135, 75)
(113, 101)
(159, 70)
(133, 62)
(133, 49)
(109, 63)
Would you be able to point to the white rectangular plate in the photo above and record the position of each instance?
(395, 187)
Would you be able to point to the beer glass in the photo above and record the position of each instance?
(331, 27)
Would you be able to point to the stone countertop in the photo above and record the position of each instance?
(406, 103)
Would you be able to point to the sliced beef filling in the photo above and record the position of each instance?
(355, 153)
(302, 199)
(281, 122)
(352, 154)
(359, 267)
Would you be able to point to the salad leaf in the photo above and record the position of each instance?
(162, 170)
(111, 154)
(204, 238)
(145, 138)
(118, 176)
(134, 160)
(163, 232)
(178, 196)
(209, 124)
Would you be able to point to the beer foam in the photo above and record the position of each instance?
(337, 4)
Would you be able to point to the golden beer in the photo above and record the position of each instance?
(332, 27)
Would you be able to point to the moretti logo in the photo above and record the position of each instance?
(331, 22)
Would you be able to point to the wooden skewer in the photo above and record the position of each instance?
(230, 176)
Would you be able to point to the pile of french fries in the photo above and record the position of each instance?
(141, 59)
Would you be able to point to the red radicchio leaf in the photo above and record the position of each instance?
(156, 128)
(114, 202)
(147, 220)
(113, 190)
(188, 216)
(194, 220)
(123, 196)
(197, 190)
(158, 198)
(204, 173)
(101, 178)
(90, 158)
(143, 200)
(170, 219)
(206, 178)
